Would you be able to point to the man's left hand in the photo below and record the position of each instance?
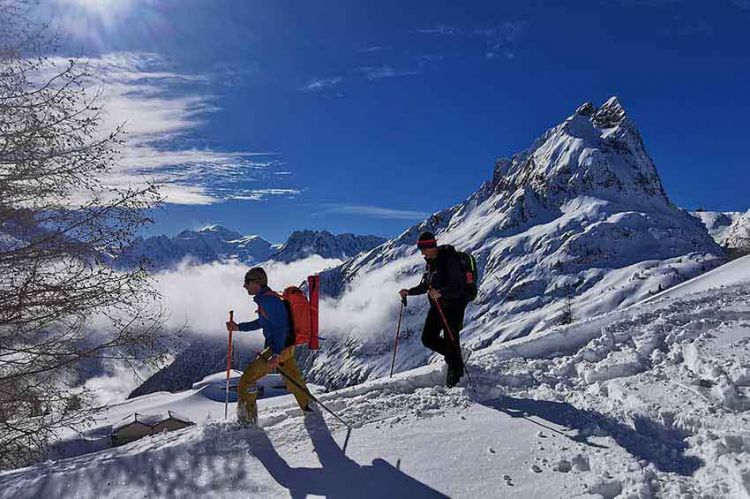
(273, 362)
(435, 294)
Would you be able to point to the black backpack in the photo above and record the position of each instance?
(468, 266)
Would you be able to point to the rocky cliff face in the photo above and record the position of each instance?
(738, 234)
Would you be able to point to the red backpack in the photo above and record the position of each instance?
(303, 313)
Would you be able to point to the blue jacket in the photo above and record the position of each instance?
(273, 318)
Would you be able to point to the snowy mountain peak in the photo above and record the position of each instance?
(595, 151)
(304, 243)
(586, 109)
(610, 115)
(220, 232)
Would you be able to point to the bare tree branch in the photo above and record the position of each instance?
(60, 226)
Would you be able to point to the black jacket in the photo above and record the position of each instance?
(444, 274)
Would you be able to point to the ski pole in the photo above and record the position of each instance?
(229, 362)
(445, 321)
(398, 329)
(306, 391)
(453, 340)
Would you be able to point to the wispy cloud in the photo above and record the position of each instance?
(499, 40)
(440, 30)
(160, 108)
(261, 194)
(321, 84)
(379, 72)
(431, 57)
(234, 73)
(372, 211)
(371, 49)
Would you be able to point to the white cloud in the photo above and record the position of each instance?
(202, 295)
(159, 108)
(379, 72)
(321, 84)
(375, 212)
(261, 194)
(440, 29)
(500, 39)
(369, 306)
(373, 48)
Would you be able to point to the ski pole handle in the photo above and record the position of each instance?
(403, 300)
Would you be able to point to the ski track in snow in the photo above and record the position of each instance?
(648, 401)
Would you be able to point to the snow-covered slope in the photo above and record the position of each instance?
(738, 234)
(652, 400)
(302, 244)
(581, 215)
(717, 222)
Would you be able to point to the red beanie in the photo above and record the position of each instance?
(426, 240)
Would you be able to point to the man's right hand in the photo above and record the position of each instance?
(233, 326)
(404, 293)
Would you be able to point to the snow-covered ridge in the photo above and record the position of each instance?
(580, 217)
(718, 223)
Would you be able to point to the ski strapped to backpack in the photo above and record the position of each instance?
(468, 265)
(303, 313)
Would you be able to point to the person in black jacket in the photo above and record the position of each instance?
(443, 281)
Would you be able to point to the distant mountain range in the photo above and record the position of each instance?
(216, 243)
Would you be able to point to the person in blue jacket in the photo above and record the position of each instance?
(278, 350)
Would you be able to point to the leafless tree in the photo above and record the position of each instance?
(60, 224)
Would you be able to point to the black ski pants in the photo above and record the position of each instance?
(434, 325)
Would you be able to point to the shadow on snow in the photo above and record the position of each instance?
(649, 440)
(338, 476)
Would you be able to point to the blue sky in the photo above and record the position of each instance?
(271, 116)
